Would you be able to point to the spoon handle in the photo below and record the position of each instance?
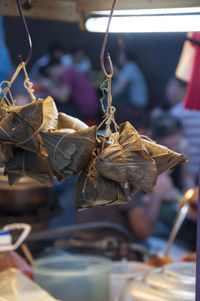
(177, 224)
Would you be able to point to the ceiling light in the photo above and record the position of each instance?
(157, 11)
(145, 23)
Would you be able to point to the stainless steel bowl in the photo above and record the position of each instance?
(24, 196)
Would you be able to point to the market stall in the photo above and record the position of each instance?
(112, 162)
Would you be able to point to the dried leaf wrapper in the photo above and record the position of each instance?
(67, 121)
(50, 114)
(21, 125)
(24, 163)
(6, 154)
(165, 158)
(70, 153)
(128, 161)
(93, 190)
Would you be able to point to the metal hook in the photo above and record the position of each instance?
(28, 34)
(104, 45)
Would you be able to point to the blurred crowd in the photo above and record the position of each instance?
(71, 80)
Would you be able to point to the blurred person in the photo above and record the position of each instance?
(56, 51)
(139, 118)
(130, 86)
(139, 217)
(190, 120)
(167, 131)
(72, 90)
(81, 61)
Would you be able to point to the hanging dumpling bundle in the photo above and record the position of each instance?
(69, 153)
(128, 161)
(33, 165)
(21, 125)
(94, 190)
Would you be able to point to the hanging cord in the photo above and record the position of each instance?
(9, 84)
(104, 45)
(109, 114)
(27, 33)
(28, 85)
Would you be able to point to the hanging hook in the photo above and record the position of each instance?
(104, 45)
(28, 34)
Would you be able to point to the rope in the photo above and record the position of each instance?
(109, 116)
(28, 85)
(58, 143)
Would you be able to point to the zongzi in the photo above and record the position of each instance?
(33, 165)
(93, 190)
(127, 161)
(21, 126)
(69, 153)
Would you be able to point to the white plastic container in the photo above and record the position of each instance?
(174, 282)
(74, 277)
(123, 271)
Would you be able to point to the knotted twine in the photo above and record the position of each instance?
(108, 120)
(28, 85)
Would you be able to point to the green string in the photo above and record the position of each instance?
(104, 90)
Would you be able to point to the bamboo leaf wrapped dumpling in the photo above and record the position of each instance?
(50, 114)
(67, 121)
(33, 165)
(128, 161)
(93, 190)
(21, 126)
(165, 158)
(69, 153)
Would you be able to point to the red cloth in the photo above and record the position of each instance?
(192, 99)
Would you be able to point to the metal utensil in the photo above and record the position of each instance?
(177, 224)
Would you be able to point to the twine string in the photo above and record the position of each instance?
(57, 144)
(28, 85)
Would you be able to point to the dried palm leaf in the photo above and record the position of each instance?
(6, 154)
(21, 125)
(50, 114)
(67, 121)
(165, 158)
(66, 131)
(93, 190)
(70, 153)
(127, 161)
(33, 165)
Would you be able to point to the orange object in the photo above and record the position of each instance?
(159, 261)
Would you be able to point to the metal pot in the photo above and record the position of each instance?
(24, 196)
